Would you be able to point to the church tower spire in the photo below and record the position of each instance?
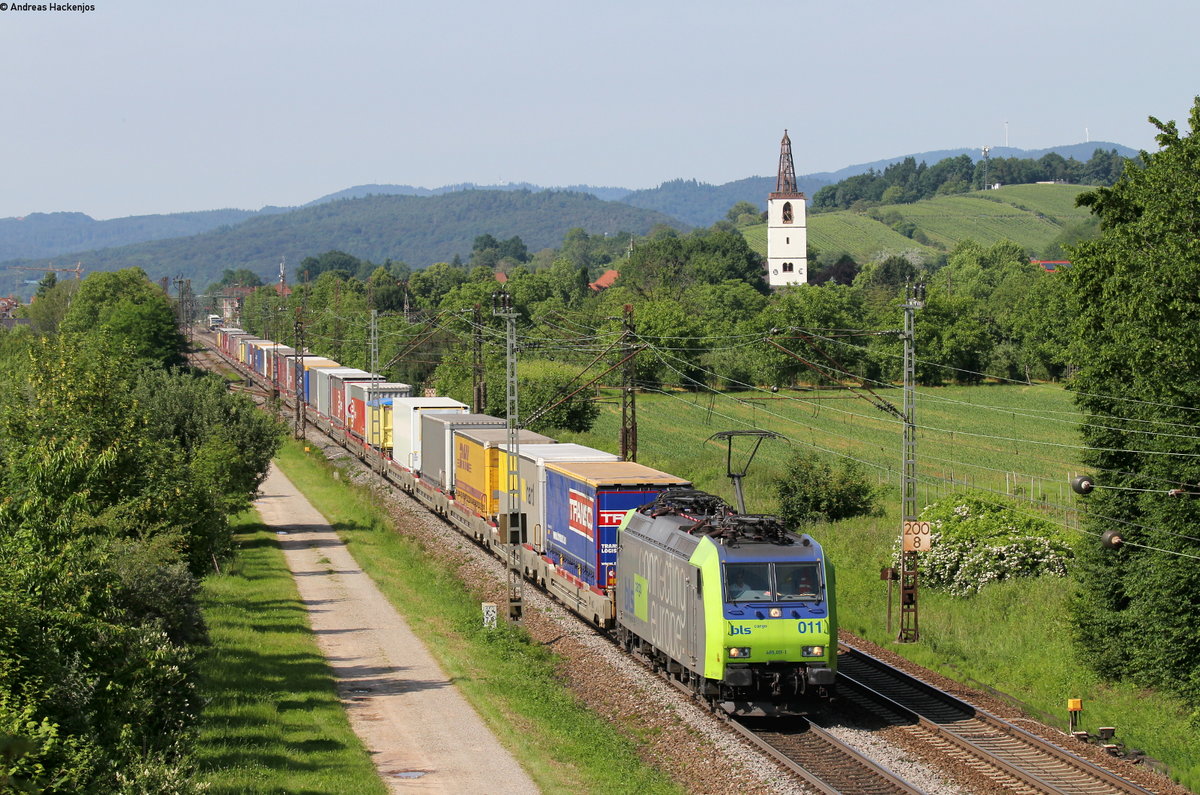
(787, 231)
(786, 181)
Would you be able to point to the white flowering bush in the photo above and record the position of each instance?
(975, 541)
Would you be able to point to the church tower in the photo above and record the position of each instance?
(787, 230)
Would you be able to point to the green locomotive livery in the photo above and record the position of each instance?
(735, 606)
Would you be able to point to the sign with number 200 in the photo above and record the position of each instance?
(916, 536)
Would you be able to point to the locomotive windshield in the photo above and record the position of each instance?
(771, 582)
(797, 581)
(748, 582)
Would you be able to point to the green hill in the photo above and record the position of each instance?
(419, 230)
(1032, 216)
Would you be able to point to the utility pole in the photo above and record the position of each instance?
(478, 376)
(913, 540)
(374, 413)
(299, 373)
(628, 396)
(512, 523)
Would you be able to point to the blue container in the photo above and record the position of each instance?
(585, 503)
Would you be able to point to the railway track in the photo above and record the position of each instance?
(823, 761)
(1007, 755)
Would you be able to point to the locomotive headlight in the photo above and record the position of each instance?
(776, 612)
(812, 651)
(739, 652)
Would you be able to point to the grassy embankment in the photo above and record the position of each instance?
(273, 722)
(1014, 636)
(1032, 216)
(512, 683)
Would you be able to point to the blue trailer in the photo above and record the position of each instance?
(585, 504)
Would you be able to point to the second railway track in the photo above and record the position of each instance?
(1006, 754)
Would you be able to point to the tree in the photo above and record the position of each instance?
(743, 213)
(665, 266)
(46, 313)
(1134, 309)
(116, 479)
(46, 284)
(312, 267)
(131, 312)
(812, 490)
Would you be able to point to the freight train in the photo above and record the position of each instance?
(735, 607)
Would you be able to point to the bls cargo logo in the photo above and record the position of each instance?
(582, 509)
(351, 414)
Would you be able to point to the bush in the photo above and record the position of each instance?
(812, 491)
(974, 542)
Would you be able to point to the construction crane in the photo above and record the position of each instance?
(77, 270)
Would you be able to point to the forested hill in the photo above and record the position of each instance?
(359, 191)
(51, 234)
(700, 204)
(414, 229)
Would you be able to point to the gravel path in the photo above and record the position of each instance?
(421, 733)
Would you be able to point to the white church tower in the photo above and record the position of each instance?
(787, 230)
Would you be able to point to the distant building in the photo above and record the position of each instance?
(787, 226)
(231, 300)
(1051, 265)
(605, 281)
(8, 305)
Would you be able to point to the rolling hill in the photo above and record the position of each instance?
(419, 230)
(1032, 216)
(696, 203)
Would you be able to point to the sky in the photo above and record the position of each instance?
(136, 107)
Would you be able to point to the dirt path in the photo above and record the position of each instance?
(421, 733)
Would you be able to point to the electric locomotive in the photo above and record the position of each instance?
(735, 606)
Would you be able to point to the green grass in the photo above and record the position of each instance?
(273, 722)
(967, 435)
(1012, 636)
(513, 683)
(1029, 215)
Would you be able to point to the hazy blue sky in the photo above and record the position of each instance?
(143, 107)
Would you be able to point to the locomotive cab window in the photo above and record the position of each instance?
(748, 582)
(797, 581)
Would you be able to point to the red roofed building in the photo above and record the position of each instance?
(605, 281)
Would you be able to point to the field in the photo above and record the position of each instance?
(1029, 215)
(1005, 439)
(1013, 636)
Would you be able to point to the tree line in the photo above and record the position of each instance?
(907, 181)
(119, 470)
(700, 306)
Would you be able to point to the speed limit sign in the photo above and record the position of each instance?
(916, 536)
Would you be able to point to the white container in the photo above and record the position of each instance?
(406, 425)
